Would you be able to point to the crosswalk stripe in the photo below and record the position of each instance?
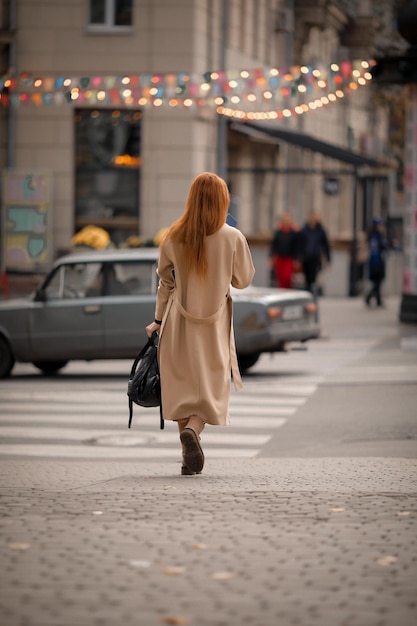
(119, 438)
(275, 392)
(261, 410)
(276, 388)
(269, 402)
(109, 452)
(267, 405)
(139, 421)
(95, 409)
(257, 422)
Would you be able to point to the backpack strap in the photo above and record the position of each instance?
(149, 343)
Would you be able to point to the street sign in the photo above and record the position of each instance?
(331, 185)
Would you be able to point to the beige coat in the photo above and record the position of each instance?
(196, 345)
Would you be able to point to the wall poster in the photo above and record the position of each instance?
(26, 221)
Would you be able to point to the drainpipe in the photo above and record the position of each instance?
(353, 286)
(222, 122)
(289, 35)
(289, 57)
(11, 116)
(209, 65)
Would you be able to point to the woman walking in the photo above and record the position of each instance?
(200, 257)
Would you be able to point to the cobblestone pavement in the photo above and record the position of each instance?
(259, 542)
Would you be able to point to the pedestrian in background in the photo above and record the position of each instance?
(284, 251)
(377, 249)
(200, 257)
(313, 247)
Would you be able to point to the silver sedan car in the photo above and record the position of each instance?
(95, 305)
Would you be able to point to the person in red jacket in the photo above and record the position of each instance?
(284, 250)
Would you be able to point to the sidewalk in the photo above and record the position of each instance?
(266, 542)
(326, 542)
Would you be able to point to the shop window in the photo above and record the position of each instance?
(107, 170)
(110, 14)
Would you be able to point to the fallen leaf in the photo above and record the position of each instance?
(222, 575)
(19, 546)
(200, 546)
(385, 561)
(173, 570)
(403, 513)
(139, 563)
(97, 512)
(175, 619)
(337, 509)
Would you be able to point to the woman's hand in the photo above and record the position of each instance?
(152, 328)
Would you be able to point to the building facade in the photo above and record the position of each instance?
(119, 104)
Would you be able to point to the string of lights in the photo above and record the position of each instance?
(258, 94)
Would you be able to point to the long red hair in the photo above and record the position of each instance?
(205, 213)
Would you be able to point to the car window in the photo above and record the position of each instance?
(88, 280)
(72, 281)
(54, 288)
(92, 280)
(138, 277)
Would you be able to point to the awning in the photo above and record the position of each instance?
(306, 142)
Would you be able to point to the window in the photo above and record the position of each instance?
(139, 278)
(110, 14)
(96, 279)
(107, 170)
(71, 281)
(243, 26)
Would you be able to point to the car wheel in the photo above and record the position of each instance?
(50, 367)
(6, 358)
(247, 360)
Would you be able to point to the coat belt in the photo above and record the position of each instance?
(211, 319)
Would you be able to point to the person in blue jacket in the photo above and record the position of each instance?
(377, 250)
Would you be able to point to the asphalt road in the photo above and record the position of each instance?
(352, 393)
